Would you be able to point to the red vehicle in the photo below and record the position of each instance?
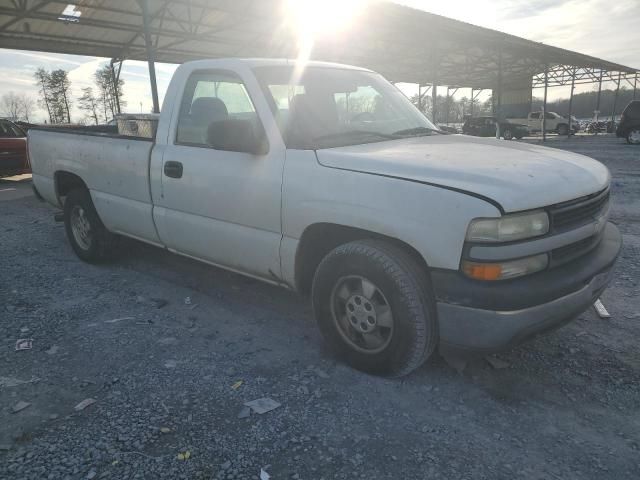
(13, 150)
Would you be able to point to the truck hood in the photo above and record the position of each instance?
(518, 176)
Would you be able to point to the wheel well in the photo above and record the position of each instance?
(320, 238)
(65, 182)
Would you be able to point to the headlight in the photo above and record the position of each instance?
(509, 227)
(505, 270)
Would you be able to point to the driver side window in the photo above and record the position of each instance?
(210, 97)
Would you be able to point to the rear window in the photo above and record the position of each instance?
(633, 109)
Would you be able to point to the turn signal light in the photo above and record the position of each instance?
(506, 269)
(483, 271)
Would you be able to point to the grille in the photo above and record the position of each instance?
(577, 212)
(573, 250)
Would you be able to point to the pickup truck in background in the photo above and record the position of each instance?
(325, 179)
(555, 123)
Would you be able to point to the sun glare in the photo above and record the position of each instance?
(320, 17)
(312, 20)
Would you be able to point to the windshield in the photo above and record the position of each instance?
(325, 107)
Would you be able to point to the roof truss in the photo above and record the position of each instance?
(405, 45)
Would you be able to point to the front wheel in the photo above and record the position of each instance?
(563, 129)
(633, 137)
(88, 237)
(375, 307)
(508, 135)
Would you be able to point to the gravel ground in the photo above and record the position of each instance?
(159, 342)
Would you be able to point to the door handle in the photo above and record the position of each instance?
(173, 169)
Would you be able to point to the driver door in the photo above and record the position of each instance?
(219, 206)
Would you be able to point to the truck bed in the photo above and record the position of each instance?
(115, 169)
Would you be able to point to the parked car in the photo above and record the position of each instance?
(405, 238)
(553, 123)
(13, 150)
(629, 126)
(575, 123)
(486, 127)
(448, 128)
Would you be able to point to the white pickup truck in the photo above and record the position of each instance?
(324, 178)
(554, 123)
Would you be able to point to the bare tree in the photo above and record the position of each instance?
(89, 103)
(27, 104)
(59, 85)
(109, 94)
(17, 106)
(11, 105)
(42, 80)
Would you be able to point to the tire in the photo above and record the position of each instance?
(86, 233)
(633, 136)
(401, 297)
(507, 134)
(563, 129)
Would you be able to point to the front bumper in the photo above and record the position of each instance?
(492, 316)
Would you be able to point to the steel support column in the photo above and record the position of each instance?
(446, 114)
(597, 112)
(544, 104)
(573, 84)
(472, 100)
(498, 109)
(435, 63)
(615, 101)
(422, 97)
(146, 19)
(635, 84)
(434, 99)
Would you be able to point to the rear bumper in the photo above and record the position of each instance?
(497, 316)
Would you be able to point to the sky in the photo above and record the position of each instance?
(608, 29)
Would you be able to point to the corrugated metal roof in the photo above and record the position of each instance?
(401, 43)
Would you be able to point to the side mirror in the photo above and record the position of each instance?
(234, 135)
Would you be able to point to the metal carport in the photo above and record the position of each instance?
(404, 44)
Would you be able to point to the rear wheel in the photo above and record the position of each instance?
(88, 237)
(375, 307)
(563, 129)
(508, 135)
(633, 137)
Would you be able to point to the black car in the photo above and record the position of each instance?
(486, 127)
(629, 126)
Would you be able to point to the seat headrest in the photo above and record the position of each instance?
(208, 109)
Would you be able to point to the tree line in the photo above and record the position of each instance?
(99, 104)
(17, 106)
(450, 109)
(454, 110)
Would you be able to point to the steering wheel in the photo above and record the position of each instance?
(363, 117)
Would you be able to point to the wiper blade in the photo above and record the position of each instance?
(350, 133)
(418, 131)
